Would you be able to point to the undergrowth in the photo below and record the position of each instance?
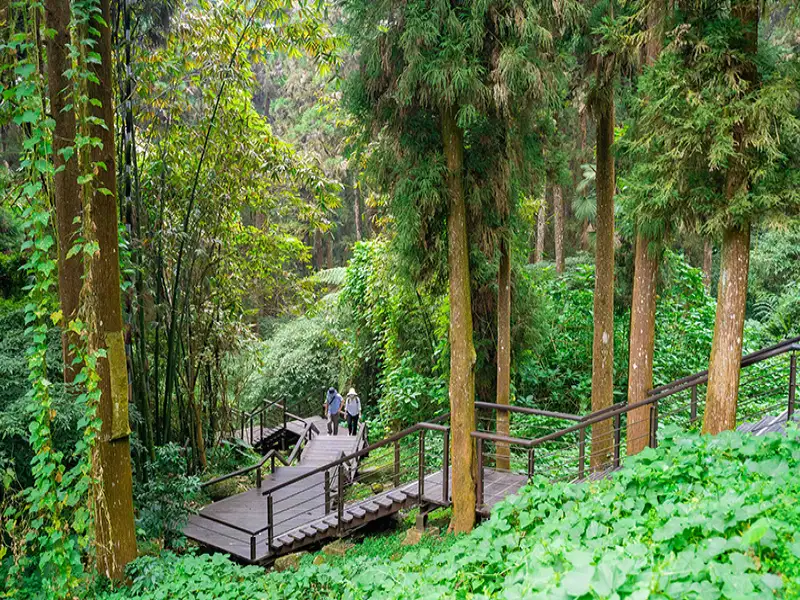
(699, 517)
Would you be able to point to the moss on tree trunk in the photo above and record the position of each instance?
(115, 533)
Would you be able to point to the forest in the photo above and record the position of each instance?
(308, 299)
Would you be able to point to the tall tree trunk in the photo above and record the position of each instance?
(541, 228)
(558, 210)
(462, 351)
(726, 347)
(585, 235)
(603, 344)
(318, 251)
(642, 343)
(357, 208)
(67, 192)
(503, 350)
(115, 532)
(708, 263)
(329, 250)
(643, 304)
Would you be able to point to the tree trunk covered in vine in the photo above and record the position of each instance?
(603, 343)
(68, 201)
(503, 350)
(115, 532)
(726, 347)
(558, 226)
(462, 351)
(647, 255)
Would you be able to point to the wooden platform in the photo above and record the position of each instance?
(769, 424)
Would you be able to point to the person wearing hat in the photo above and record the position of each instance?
(333, 406)
(352, 409)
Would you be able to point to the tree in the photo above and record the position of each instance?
(65, 162)
(602, 103)
(647, 250)
(717, 154)
(115, 531)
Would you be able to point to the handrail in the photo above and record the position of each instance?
(433, 425)
(701, 377)
(296, 450)
(244, 470)
(528, 411)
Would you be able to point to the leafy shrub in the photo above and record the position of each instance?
(190, 576)
(164, 498)
(700, 517)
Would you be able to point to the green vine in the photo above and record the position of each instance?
(51, 522)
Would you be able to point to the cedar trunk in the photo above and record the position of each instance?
(642, 343)
(708, 263)
(541, 228)
(726, 348)
(558, 210)
(462, 351)
(603, 344)
(67, 192)
(643, 307)
(115, 533)
(503, 351)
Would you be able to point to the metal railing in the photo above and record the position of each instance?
(397, 468)
(768, 385)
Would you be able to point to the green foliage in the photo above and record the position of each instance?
(697, 518)
(393, 338)
(188, 576)
(299, 362)
(164, 496)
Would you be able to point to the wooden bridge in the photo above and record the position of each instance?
(324, 488)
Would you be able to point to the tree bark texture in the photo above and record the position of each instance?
(642, 343)
(115, 532)
(603, 342)
(462, 351)
(558, 226)
(726, 347)
(503, 351)
(68, 200)
(357, 209)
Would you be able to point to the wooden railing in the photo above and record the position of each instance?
(768, 385)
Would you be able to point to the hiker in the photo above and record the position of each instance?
(352, 409)
(333, 406)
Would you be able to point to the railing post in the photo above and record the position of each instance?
(421, 464)
(446, 468)
(283, 433)
(270, 523)
(261, 422)
(531, 462)
(340, 497)
(397, 463)
(258, 477)
(792, 385)
(327, 492)
(581, 452)
(693, 416)
(272, 463)
(242, 424)
(479, 483)
(617, 438)
(253, 548)
(654, 424)
(252, 442)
